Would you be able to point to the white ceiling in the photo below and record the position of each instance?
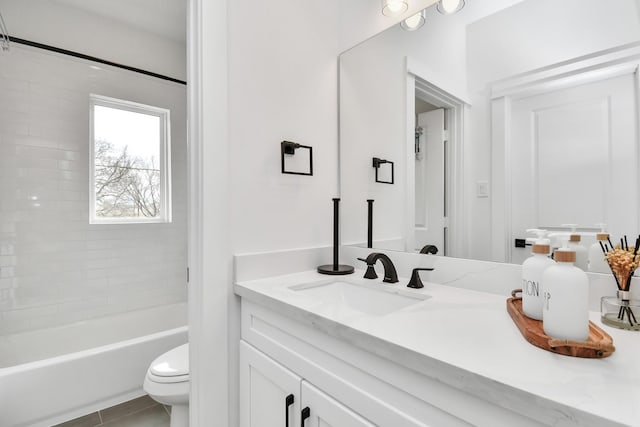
(475, 10)
(167, 18)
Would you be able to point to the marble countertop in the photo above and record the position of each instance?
(479, 345)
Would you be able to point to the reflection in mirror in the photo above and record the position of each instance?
(384, 170)
(509, 115)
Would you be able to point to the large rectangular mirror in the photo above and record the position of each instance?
(508, 115)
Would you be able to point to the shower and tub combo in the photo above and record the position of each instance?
(53, 375)
(89, 294)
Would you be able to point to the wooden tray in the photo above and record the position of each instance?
(598, 345)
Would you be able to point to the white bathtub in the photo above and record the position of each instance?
(54, 375)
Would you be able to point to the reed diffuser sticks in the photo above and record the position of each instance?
(623, 262)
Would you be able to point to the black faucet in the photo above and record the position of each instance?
(429, 249)
(415, 281)
(390, 274)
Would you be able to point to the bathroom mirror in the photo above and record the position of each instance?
(509, 115)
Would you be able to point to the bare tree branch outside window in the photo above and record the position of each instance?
(125, 185)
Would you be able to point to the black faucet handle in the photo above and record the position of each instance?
(371, 271)
(415, 281)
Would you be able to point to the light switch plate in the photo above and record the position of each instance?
(482, 189)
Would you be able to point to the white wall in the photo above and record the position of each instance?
(373, 123)
(282, 86)
(53, 23)
(513, 41)
(55, 267)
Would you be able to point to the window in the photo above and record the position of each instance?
(130, 162)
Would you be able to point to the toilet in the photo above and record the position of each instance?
(167, 382)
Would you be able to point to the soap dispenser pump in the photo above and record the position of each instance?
(565, 312)
(597, 261)
(582, 255)
(532, 269)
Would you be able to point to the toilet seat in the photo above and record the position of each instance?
(167, 380)
(171, 367)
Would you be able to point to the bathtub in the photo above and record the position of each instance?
(53, 375)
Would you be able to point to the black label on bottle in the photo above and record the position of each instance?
(531, 288)
(545, 304)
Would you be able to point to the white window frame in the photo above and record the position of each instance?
(164, 162)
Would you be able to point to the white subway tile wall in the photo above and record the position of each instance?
(56, 268)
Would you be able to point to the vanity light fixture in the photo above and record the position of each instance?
(414, 22)
(447, 7)
(394, 7)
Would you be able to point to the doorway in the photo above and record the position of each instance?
(430, 178)
(434, 168)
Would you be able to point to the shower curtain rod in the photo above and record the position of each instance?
(92, 58)
(4, 35)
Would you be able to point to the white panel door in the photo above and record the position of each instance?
(430, 182)
(323, 411)
(574, 159)
(266, 388)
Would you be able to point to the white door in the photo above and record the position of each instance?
(430, 182)
(320, 410)
(269, 393)
(574, 159)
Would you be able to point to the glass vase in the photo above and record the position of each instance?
(620, 311)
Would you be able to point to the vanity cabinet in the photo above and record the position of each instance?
(272, 395)
(342, 384)
(327, 412)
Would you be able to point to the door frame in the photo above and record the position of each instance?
(212, 307)
(590, 68)
(423, 82)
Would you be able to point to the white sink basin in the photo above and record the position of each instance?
(372, 299)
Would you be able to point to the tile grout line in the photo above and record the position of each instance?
(151, 404)
(146, 407)
(131, 413)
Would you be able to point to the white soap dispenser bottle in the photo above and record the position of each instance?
(582, 254)
(532, 269)
(565, 312)
(597, 261)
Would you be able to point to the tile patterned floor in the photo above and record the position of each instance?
(140, 412)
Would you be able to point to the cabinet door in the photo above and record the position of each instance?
(269, 393)
(323, 411)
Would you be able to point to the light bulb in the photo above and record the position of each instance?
(450, 6)
(414, 22)
(394, 7)
(447, 7)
